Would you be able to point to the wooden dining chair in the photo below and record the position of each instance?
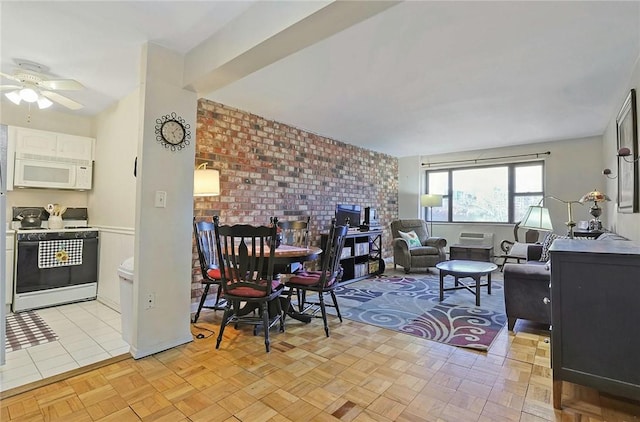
(293, 233)
(246, 254)
(206, 247)
(323, 281)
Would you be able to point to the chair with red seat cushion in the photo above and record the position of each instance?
(293, 233)
(323, 281)
(247, 257)
(205, 245)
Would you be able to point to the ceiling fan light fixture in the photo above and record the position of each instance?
(29, 95)
(14, 97)
(44, 102)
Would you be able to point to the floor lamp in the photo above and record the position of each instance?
(430, 201)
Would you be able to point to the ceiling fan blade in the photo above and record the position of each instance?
(61, 99)
(13, 78)
(61, 84)
(7, 87)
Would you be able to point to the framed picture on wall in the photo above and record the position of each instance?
(627, 128)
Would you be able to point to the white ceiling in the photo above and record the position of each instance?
(417, 78)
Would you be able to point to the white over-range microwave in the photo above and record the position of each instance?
(51, 172)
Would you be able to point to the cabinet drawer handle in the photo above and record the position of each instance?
(546, 301)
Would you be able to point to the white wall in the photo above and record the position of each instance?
(113, 199)
(410, 182)
(627, 225)
(162, 246)
(573, 169)
(47, 119)
(114, 191)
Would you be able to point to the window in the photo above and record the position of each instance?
(495, 194)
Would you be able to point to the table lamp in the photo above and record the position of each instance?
(206, 182)
(595, 210)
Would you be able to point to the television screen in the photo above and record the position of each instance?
(348, 211)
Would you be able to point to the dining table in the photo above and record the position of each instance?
(285, 255)
(289, 254)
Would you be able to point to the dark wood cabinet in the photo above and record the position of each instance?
(361, 255)
(595, 292)
(471, 252)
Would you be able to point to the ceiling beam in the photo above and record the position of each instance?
(266, 33)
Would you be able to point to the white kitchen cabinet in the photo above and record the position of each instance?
(8, 278)
(78, 147)
(52, 144)
(32, 141)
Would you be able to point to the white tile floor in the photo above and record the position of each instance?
(88, 332)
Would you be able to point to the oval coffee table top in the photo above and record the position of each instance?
(467, 267)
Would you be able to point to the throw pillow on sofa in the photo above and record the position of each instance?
(411, 238)
(548, 240)
(546, 244)
(519, 250)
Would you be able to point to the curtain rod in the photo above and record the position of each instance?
(475, 160)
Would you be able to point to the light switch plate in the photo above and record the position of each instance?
(161, 199)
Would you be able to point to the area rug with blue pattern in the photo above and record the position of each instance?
(410, 304)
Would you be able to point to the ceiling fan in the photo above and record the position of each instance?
(35, 87)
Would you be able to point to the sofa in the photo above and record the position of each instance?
(526, 286)
(426, 252)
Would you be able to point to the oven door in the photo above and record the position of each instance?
(37, 287)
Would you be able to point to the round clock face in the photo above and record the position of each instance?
(173, 132)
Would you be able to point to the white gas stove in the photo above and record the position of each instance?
(68, 225)
(75, 229)
(55, 266)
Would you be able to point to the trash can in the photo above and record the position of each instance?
(125, 272)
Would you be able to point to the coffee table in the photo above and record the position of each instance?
(459, 268)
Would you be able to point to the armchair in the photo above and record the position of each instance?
(428, 254)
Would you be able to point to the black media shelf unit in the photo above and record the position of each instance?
(361, 255)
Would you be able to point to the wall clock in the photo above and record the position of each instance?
(173, 132)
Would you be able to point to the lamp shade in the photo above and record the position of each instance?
(206, 182)
(595, 196)
(537, 217)
(431, 200)
(14, 96)
(29, 95)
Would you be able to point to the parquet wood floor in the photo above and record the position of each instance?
(361, 373)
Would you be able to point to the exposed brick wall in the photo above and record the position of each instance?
(269, 169)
